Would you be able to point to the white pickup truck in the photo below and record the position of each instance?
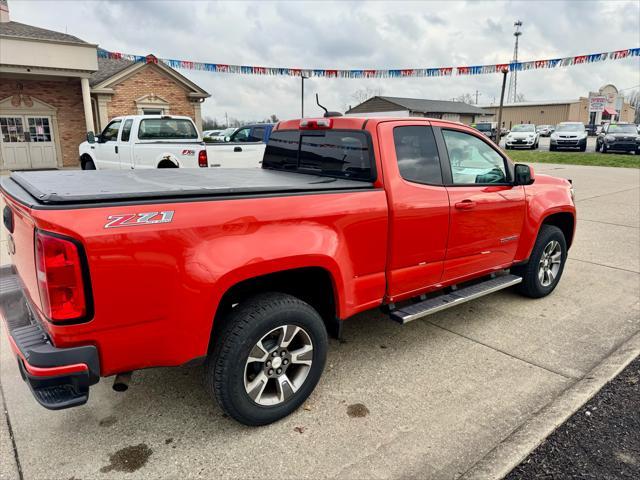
(161, 141)
(144, 141)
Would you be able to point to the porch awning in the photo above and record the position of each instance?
(610, 111)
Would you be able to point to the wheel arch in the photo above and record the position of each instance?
(84, 158)
(565, 221)
(315, 285)
(167, 161)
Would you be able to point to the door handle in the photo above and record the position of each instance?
(466, 205)
(215, 164)
(237, 149)
(116, 147)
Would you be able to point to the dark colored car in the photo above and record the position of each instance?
(619, 137)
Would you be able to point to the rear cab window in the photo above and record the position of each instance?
(167, 129)
(334, 153)
(417, 154)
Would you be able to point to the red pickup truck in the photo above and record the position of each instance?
(250, 270)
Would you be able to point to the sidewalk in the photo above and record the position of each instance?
(441, 393)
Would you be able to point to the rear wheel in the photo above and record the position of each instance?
(541, 274)
(552, 148)
(268, 359)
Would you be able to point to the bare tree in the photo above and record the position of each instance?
(465, 97)
(365, 94)
(520, 98)
(274, 118)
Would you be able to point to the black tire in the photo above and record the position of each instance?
(597, 147)
(604, 148)
(583, 148)
(531, 285)
(244, 327)
(88, 165)
(552, 148)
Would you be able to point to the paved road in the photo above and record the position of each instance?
(441, 393)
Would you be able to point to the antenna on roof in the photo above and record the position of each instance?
(327, 113)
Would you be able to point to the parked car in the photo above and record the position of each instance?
(545, 130)
(488, 129)
(144, 141)
(522, 136)
(243, 148)
(209, 135)
(591, 129)
(249, 270)
(223, 134)
(620, 137)
(569, 135)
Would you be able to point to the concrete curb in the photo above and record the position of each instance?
(498, 462)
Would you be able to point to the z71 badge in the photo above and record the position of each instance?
(137, 219)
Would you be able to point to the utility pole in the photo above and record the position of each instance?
(504, 83)
(477, 93)
(303, 78)
(513, 79)
(226, 119)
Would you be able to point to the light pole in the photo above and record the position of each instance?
(302, 78)
(504, 83)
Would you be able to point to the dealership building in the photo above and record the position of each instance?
(605, 105)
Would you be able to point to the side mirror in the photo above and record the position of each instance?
(91, 138)
(523, 174)
(227, 139)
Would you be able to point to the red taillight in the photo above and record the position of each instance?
(315, 123)
(202, 159)
(60, 279)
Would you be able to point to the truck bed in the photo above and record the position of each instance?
(59, 189)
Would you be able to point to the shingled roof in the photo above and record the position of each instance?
(21, 30)
(434, 106)
(107, 68)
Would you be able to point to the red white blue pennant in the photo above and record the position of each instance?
(377, 73)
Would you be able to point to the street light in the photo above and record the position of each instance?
(504, 82)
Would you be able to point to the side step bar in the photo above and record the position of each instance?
(427, 307)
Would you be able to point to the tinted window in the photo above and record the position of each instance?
(111, 132)
(166, 128)
(417, 154)
(616, 128)
(258, 134)
(333, 153)
(126, 131)
(282, 150)
(472, 160)
(340, 154)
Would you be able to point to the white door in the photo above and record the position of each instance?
(13, 143)
(42, 149)
(106, 147)
(243, 151)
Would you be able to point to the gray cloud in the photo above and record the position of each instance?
(356, 35)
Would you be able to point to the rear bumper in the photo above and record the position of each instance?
(58, 377)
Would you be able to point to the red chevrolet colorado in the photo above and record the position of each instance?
(250, 270)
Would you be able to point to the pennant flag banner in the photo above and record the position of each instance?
(402, 73)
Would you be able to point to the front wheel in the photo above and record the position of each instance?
(541, 274)
(552, 148)
(604, 148)
(268, 359)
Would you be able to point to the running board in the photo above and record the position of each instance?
(427, 307)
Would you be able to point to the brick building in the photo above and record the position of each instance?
(54, 89)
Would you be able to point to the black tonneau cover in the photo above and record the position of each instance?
(91, 186)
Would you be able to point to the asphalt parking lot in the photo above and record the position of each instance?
(429, 399)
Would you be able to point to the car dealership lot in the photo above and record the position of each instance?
(429, 399)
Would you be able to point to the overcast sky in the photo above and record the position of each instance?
(349, 35)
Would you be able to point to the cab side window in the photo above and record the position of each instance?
(110, 133)
(126, 131)
(417, 154)
(472, 160)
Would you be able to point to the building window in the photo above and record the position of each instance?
(152, 111)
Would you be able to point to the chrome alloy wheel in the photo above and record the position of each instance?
(278, 365)
(549, 263)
